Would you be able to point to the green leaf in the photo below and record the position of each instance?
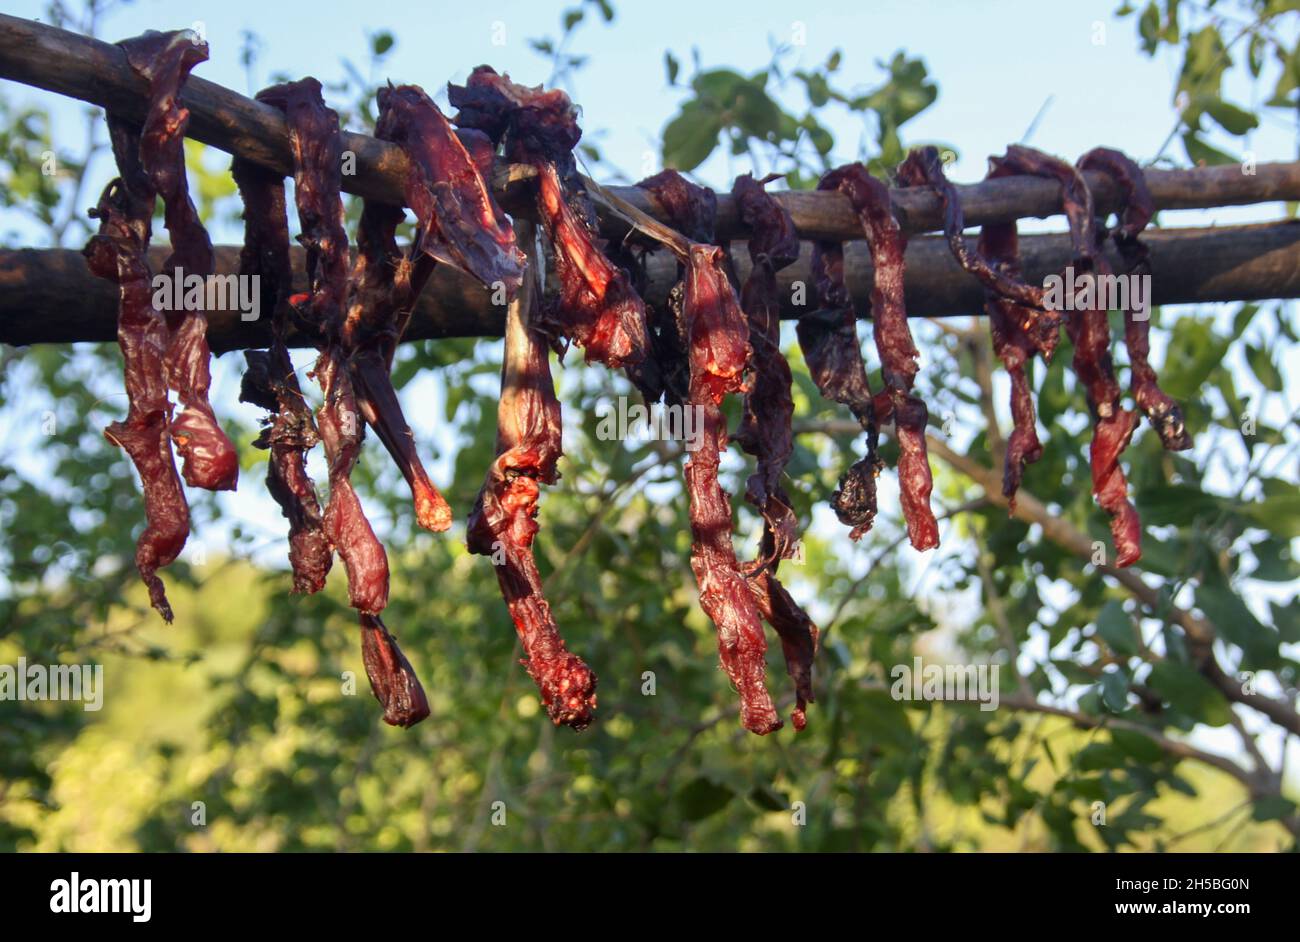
(768, 798)
(1232, 119)
(1114, 690)
(1272, 807)
(1136, 746)
(1189, 692)
(690, 137)
(672, 67)
(1235, 622)
(1262, 365)
(702, 797)
(572, 18)
(1116, 628)
(381, 42)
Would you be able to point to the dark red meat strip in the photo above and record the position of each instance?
(1089, 331)
(1018, 322)
(270, 380)
(392, 679)
(118, 253)
(503, 523)
(718, 337)
(208, 459)
(828, 337)
(898, 353)
(597, 308)
(766, 431)
(1161, 411)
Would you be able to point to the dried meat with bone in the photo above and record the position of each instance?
(271, 382)
(164, 60)
(317, 154)
(119, 253)
(1019, 322)
(597, 307)
(766, 431)
(1089, 331)
(1161, 411)
(503, 522)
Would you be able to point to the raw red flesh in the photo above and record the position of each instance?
(118, 253)
(766, 431)
(392, 679)
(1161, 411)
(271, 382)
(898, 353)
(459, 221)
(208, 459)
(719, 353)
(314, 140)
(503, 522)
(1089, 331)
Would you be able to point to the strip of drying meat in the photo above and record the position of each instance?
(1161, 411)
(503, 523)
(898, 353)
(459, 222)
(1018, 321)
(829, 340)
(118, 253)
(597, 308)
(766, 431)
(317, 151)
(1089, 331)
(718, 338)
(208, 459)
(271, 382)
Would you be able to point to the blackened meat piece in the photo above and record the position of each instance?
(317, 153)
(392, 679)
(1089, 331)
(118, 253)
(458, 220)
(208, 459)
(766, 431)
(503, 523)
(718, 336)
(270, 380)
(1161, 410)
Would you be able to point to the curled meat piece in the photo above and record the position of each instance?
(208, 458)
(1161, 411)
(118, 253)
(503, 523)
(719, 353)
(271, 382)
(459, 222)
(766, 431)
(597, 308)
(392, 679)
(1019, 322)
(898, 353)
(314, 140)
(1089, 331)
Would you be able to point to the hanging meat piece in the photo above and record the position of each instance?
(718, 337)
(597, 308)
(315, 143)
(898, 353)
(1161, 411)
(459, 222)
(208, 459)
(503, 523)
(118, 253)
(1019, 322)
(1089, 331)
(766, 431)
(271, 382)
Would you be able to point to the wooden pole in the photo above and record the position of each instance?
(80, 67)
(49, 296)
